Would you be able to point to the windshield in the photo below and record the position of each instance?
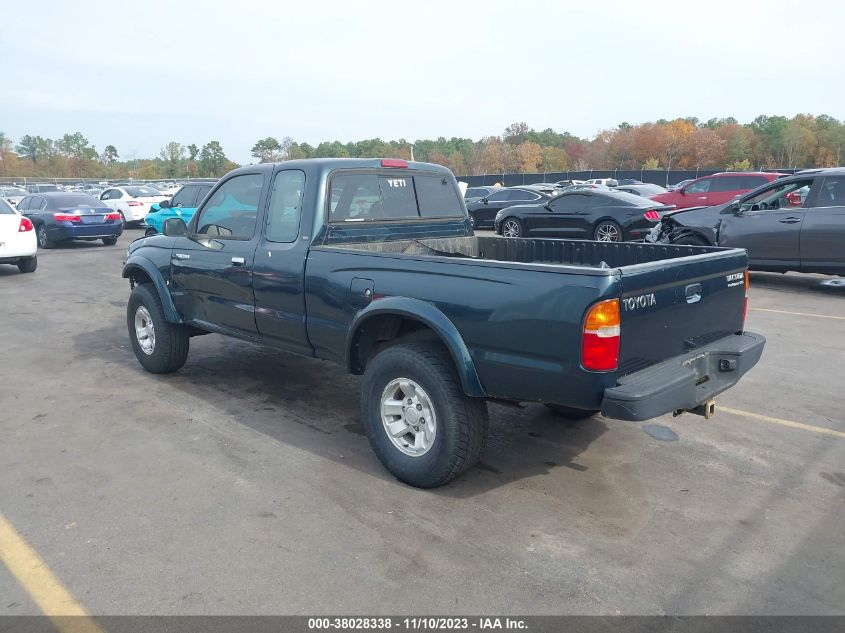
(12, 191)
(142, 192)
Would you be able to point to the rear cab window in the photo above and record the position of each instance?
(368, 196)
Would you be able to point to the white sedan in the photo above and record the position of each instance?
(131, 201)
(18, 243)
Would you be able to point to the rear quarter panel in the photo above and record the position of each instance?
(522, 327)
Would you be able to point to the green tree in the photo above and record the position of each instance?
(267, 150)
(28, 147)
(213, 160)
(110, 155)
(173, 154)
(193, 152)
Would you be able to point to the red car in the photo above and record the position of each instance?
(716, 189)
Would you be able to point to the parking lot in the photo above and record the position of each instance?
(243, 484)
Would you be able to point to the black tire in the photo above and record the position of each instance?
(28, 264)
(123, 220)
(691, 240)
(570, 413)
(171, 341)
(150, 232)
(109, 241)
(461, 421)
(41, 236)
(608, 231)
(513, 226)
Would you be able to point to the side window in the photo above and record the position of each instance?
(437, 198)
(117, 194)
(752, 182)
(727, 183)
(23, 205)
(780, 196)
(184, 197)
(232, 209)
(519, 195)
(571, 202)
(285, 206)
(702, 186)
(831, 193)
(499, 196)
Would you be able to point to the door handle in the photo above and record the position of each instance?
(789, 220)
(181, 256)
(238, 261)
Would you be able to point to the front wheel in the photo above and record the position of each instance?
(159, 346)
(109, 241)
(608, 231)
(419, 422)
(512, 227)
(28, 264)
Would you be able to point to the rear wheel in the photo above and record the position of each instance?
(511, 227)
(159, 346)
(570, 413)
(422, 426)
(607, 231)
(28, 264)
(109, 241)
(41, 236)
(123, 220)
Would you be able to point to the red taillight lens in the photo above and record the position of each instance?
(112, 216)
(66, 217)
(26, 225)
(745, 305)
(133, 203)
(394, 162)
(600, 337)
(652, 215)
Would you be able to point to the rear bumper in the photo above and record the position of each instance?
(684, 382)
(85, 231)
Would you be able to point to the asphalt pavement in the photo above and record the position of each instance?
(243, 484)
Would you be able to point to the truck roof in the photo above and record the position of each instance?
(330, 164)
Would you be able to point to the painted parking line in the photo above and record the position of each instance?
(41, 584)
(782, 422)
(806, 314)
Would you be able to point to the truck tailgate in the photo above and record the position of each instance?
(672, 307)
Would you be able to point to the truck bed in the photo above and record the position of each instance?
(580, 253)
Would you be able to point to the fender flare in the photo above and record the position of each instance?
(433, 318)
(136, 262)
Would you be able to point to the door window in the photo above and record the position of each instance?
(185, 197)
(701, 186)
(499, 196)
(571, 202)
(780, 196)
(37, 204)
(231, 211)
(23, 205)
(728, 183)
(518, 195)
(285, 206)
(831, 193)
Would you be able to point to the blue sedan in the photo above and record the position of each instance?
(60, 217)
(183, 205)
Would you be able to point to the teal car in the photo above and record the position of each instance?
(183, 205)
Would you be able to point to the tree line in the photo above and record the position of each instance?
(766, 142)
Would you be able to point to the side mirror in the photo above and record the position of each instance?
(175, 227)
(682, 191)
(548, 207)
(164, 204)
(484, 200)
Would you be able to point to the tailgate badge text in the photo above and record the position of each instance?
(643, 301)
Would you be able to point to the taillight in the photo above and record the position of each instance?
(394, 162)
(112, 216)
(26, 225)
(600, 337)
(66, 217)
(133, 203)
(745, 305)
(652, 215)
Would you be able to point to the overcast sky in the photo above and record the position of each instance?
(140, 74)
